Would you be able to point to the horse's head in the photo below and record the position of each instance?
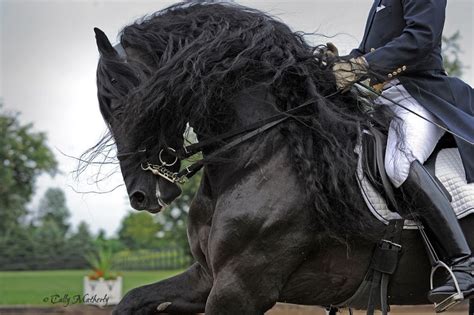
(189, 64)
(118, 76)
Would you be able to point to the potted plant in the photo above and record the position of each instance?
(102, 287)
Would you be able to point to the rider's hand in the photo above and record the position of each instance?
(326, 54)
(348, 72)
(332, 51)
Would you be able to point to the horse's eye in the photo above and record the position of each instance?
(118, 115)
(113, 80)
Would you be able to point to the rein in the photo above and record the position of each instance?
(240, 135)
(378, 94)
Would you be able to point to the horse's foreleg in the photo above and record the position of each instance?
(185, 293)
(252, 262)
(250, 284)
(261, 233)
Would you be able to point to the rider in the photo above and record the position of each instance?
(401, 54)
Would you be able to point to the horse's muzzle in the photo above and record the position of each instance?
(140, 201)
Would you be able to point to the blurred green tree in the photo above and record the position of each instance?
(101, 241)
(53, 208)
(138, 230)
(451, 51)
(78, 245)
(50, 249)
(23, 156)
(18, 248)
(83, 234)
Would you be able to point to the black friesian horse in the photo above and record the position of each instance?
(276, 218)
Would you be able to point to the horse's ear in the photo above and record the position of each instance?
(103, 43)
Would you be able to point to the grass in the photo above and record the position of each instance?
(31, 287)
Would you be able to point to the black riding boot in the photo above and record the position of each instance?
(437, 215)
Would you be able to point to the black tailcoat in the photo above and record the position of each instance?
(402, 39)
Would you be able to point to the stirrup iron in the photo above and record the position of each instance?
(453, 299)
(436, 264)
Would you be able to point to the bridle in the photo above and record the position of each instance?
(231, 139)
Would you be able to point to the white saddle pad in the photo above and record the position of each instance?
(449, 170)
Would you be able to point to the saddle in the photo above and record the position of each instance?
(445, 166)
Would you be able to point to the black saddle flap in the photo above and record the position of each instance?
(373, 164)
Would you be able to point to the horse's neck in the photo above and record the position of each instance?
(253, 104)
(249, 106)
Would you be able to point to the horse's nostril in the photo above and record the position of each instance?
(137, 199)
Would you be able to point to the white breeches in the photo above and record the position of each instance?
(410, 137)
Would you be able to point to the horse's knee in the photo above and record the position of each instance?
(233, 296)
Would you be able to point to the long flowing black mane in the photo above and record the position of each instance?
(189, 59)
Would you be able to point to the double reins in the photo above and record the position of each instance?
(241, 135)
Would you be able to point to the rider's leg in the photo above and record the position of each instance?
(410, 142)
(410, 137)
(436, 213)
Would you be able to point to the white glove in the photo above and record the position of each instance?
(348, 72)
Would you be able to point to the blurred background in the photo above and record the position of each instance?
(51, 220)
